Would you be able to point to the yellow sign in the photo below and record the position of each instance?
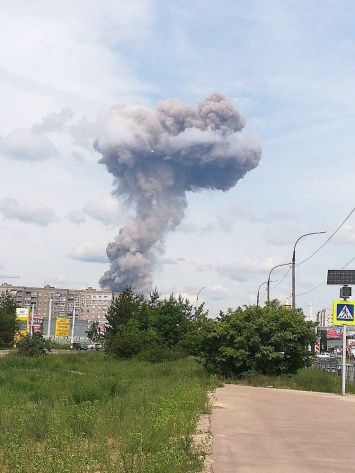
(22, 322)
(344, 312)
(22, 312)
(62, 327)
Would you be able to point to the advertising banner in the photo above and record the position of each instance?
(62, 327)
(335, 332)
(37, 324)
(22, 312)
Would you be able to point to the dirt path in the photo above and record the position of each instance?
(260, 430)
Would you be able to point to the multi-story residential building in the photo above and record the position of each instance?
(89, 303)
(324, 318)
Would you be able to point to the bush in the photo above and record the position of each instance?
(270, 340)
(158, 354)
(7, 320)
(33, 345)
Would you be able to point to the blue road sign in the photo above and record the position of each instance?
(344, 312)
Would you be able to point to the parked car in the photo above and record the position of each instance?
(331, 360)
(94, 346)
(324, 355)
(330, 364)
(79, 346)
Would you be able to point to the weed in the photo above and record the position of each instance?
(89, 413)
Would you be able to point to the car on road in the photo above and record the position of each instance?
(330, 364)
(324, 355)
(95, 346)
(79, 346)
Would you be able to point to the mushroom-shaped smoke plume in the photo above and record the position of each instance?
(156, 156)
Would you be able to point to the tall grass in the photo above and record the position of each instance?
(85, 412)
(305, 379)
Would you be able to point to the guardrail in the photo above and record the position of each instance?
(336, 369)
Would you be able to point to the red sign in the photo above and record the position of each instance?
(335, 332)
(37, 324)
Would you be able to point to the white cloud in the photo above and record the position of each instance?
(106, 211)
(24, 145)
(218, 292)
(90, 252)
(27, 212)
(76, 216)
(53, 121)
(346, 235)
(240, 270)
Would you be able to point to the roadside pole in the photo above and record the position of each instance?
(49, 319)
(343, 310)
(343, 371)
(32, 313)
(72, 329)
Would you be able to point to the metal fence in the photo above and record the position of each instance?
(336, 370)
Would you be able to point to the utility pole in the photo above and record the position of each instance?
(204, 287)
(294, 267)
(268, 281)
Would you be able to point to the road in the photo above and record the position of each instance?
(263, 430)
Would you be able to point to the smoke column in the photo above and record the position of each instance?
(156, 156)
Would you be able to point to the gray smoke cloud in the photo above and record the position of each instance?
(156, 156)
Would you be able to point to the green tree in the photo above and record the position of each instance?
(93, 333)
(192, 340)
(124, 309)
(267, 340)
(152, 326)
(172, 320)
(33, 345)
(7, 320)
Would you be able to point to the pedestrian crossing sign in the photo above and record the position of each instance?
(343, 312)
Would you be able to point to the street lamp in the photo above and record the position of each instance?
(204, 287)
(268, 281)
(294, 267)
(257, 297)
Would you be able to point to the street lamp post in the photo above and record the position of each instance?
(294, 267)
(257, 297)
(268, 281)
(204, 287)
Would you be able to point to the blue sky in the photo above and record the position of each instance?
(287, 66)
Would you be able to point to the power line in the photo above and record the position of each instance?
(303, 293)
(347, 264)
(327, 241)
(289, 269)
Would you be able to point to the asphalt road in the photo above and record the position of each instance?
(261, 430)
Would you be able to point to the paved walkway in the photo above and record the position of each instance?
(261, 430)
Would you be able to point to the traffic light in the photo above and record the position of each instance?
(345, 292)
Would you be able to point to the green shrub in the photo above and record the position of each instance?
(159, 354)
(33, 345)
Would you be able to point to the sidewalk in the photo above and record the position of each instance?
(261, 430)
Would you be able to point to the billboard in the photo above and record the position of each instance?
(22, 312)
(22, 322)
(37, 324)
(335, 332)
(62, 327)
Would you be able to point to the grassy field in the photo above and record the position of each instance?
(85, 412)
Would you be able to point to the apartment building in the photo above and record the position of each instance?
(89, 303)
(325, 318)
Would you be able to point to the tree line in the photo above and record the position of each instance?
(270, 340)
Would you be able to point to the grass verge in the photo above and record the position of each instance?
(306, 380)
(85, 412)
